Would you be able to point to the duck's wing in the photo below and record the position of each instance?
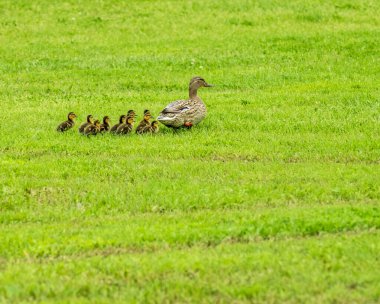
(91, 130)
(120, 128)
(104, 128)
(123, 129)
(176, 107)
(141, 126)
(64, 126)
(83, 127)
(147, 129)
(88, 129)
(114, 128)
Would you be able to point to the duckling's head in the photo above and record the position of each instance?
(197, 82)
(131, 113)
(147, 115)
(154, 124)
(71, 116)
(130, 120)
(106, 120)
(90, 119)
(122, 119)
(97, 123)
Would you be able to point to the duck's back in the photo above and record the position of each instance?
(143, 124)
(104, 127)
(124, 129)
(114, 128)
(90, 130)
(66, 125)
(83, 127)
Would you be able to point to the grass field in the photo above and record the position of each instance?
(273, 198)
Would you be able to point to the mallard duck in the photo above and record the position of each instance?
(127, 127)
(186, 113)
(68, 124)
(144, 123)
(151, 129)
(92, 129)
(122, 120)
(105, 126)
(90, 121)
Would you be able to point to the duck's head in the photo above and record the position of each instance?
(97, 123)
(71, 116)
(130, 120)
(197, 82)
(122, 119)
(147, 115)
(131, 113)
(106, 120)
(90, 119)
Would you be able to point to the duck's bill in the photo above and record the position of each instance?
(209, 85)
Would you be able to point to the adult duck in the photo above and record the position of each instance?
(186, 113)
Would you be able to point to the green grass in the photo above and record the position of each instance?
(273, 198)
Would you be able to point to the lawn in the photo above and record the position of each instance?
(273, 198)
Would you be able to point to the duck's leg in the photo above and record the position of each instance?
(188, 124)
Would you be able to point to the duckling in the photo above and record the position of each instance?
(154, 128)
(105, 126)
(90, 121)
(151, 129)
(122, 120)
(127, 127)
(144, 123)
(68, 124)
(186, 113)
(92, 129)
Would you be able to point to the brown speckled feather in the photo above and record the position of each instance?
(66, 125)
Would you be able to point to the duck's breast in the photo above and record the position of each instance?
(199, 113)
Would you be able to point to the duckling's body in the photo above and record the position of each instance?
(68, 124)
(186, 113)
(90, 121)
(105, 126)
(154, 128)
(92, 129)
(127, 127)
(151, 129)
(122, 120)
(144, 123)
